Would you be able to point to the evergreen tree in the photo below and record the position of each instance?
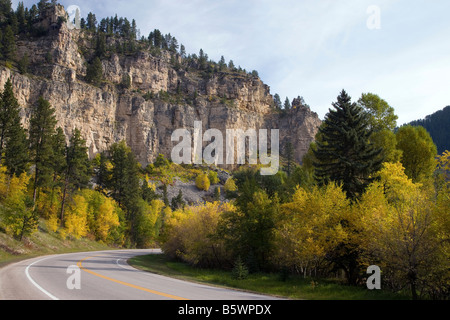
(125, 176)
(8, 44)
(9, 110)
(345, 154)
(16, 151)
(94, 72)
(91, 23)
(178, 202)
(277, 101)
(21, 17)
(231, 65)
(58, 157)
(42, 6)
(23, 64)
(100, 49)
(289, 155)
(222, 63)
(12, 134)
(287, 104)
(182, 51)
(77, 168)
(125, 184)
(41, 131)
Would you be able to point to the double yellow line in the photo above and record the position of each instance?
(80, 265)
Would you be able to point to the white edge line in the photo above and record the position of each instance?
(35, 284)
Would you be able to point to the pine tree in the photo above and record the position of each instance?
(287, 104)
(12, 133)
(345, 154)
(21, 17)
(77, 168)
(91, 22)
(16, 151)
(9, 110)
(100, 49)
(277, 101)
(289, 154)
(8, 44)
(94, 73)
(125, 185)
(57, 160)
(23, 64)
(182, 51)
(41, 131)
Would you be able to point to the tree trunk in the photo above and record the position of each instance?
(63, 201)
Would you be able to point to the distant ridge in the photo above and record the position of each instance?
(438, 125)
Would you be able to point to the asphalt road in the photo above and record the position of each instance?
(101, 276)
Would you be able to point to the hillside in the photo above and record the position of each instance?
(437, 125)
(142, 90)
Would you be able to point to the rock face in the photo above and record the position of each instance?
(160, 98)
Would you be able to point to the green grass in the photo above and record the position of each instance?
(42, 243)
(295, 287)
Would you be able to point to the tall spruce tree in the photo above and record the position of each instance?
(77, 168)
(94, 72)
(9, 109)
(125, 184)
(16, 151)
(344, 154)
(13, 138)
(41, 131)
(8, 44)
(58, 157)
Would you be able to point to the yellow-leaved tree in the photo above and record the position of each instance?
(76, 221)
(403, 230)
(190, 234)
(19, 219)
(149, 223)
(313, 227)
(102, 215)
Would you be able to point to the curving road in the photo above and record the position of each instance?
(101, 276)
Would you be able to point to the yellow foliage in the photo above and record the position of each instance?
(406, 230)
(106, 219)
(101, 214)
(311, 225)
(189, 234)
(53, 223)
(76, 223)
(230, 185)
(19, 219)
(202, 182)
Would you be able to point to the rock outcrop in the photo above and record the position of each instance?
(160, 97)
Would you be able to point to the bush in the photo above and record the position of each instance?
(213, 178)
(190, 234)
(230, 188)
(202, 182)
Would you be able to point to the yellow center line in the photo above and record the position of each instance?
(80, 265)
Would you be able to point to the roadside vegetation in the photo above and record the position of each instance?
(367, 192)
(294, 287)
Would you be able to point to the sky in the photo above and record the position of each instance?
(397, 49)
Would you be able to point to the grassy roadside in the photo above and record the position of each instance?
(295, 287)
(42, 243)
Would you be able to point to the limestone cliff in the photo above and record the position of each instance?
(161, 96)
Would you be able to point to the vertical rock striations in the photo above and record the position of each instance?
(160, 98)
